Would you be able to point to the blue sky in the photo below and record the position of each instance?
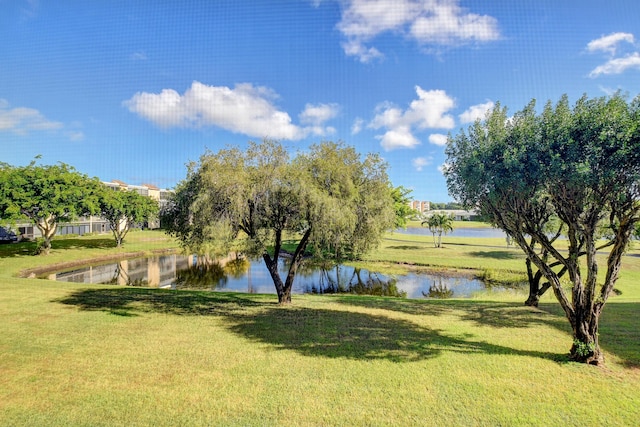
(133, 90)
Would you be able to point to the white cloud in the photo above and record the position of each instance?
(476, 112)
(75, 135)
(420, 162)
(609, 43)
(318, 114)
(244, 109)
(399, 137)
(428, 22)
(356, 128)
(617, 65)
(429, 111)
(138, 56)
(438, 139)
(22, 120)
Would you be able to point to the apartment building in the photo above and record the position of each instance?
(420, 206)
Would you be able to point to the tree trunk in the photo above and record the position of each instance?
(272, 265)
(586, 348)
(535, 290)
(47, 227)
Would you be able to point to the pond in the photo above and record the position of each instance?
(242, 275)
(457, 232)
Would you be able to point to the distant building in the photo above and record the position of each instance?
(96, 224)
(420, 206)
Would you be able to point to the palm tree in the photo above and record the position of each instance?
(439, 223)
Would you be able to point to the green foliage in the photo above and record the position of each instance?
(124, 209)
(578, 167)
(338, 204)
(401, 202)
(583, 349)
(46, 195)
(439, 223)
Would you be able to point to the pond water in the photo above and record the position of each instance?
(457, 232)
(242, 275)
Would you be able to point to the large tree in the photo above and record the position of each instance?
(334, 204)
(579, 166)
(46, 195)
(124, 209)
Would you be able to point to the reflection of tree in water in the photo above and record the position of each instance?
(438, 290)
(207, 273)
(361, 282)
(237, 267)
(121, 276)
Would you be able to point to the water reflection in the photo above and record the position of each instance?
(352, 280)
(438, 290)
(236, 273)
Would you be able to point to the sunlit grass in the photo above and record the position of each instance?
(110, 355)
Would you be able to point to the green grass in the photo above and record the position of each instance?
(107, 355)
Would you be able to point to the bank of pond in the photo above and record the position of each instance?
(238, 274)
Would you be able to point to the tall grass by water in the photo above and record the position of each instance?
(109, 355)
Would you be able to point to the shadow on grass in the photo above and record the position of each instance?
(58, 243)
(307, 331)
(494, 314)
(619, 323)
(406, 247)
(502, 255)
(80, 243)
(619, 329)
(136, 301)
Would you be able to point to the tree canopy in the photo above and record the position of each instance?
(401, 202)
(123, 209)
(579, 166)
(328, 200)
(46, 195)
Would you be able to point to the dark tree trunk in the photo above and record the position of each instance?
(586, 348)
(535, 290)
(272, 265)
(283, 289)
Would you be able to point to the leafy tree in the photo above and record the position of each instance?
(124, 209)
(579, 166)
(334, 203)
(401, 202)
(439, 223)
(46, 196)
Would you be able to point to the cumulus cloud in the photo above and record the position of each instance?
(476, 112)
(618, 62)
(427, 22)
(617, 65)
(609, 43)
(356, 128)
(23, 120)
(420, 162)
(244, 109)
(429, 111)
(438, 139)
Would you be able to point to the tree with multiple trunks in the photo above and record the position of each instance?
(578, 166)
(46, 196)
(332, 203)
(124, 209)
(439, 223)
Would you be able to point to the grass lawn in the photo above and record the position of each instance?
(93, 355)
